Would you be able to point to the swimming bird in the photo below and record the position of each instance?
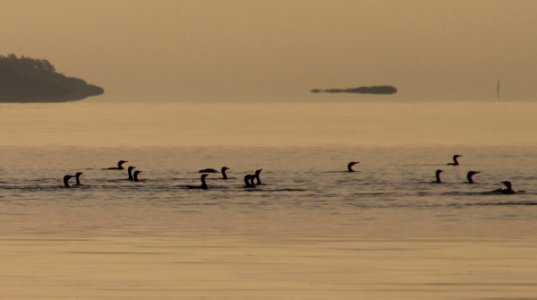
(77, 176)
(136, 175)
(211, 170)
(349, 165)
(248, 181)
(438, 172)
(508, 188)
(223, 171)
(119, 165)
(257, 177)
(203, 185)
(470, 174)
(66, 180)
(129, 170)
(455, 160)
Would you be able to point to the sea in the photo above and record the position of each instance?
(311, 230)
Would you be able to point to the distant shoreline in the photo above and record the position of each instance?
(376, 89)
(30, 80)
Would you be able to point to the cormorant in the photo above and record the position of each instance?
(224, 169)
(470, 174)
(211, 170)
(203, 185)
(455, 160)
(248, 181)
(136, 175)
(119, 165)
(352, 163)
(129, 170)
(508, 188)
(438, 180)
(66, 180)
(257, 177)
(77, 176)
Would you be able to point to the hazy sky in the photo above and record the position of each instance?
(260, 50)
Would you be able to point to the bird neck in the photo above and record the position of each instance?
(470, 180)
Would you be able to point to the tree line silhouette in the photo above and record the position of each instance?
(25, 79)
(26, 63)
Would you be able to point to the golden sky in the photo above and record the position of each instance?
(260, 50)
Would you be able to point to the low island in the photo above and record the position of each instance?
(27, 80)
(376, 89)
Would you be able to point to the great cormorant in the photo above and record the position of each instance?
(211, 170)
(508, 188)
(223, 171)
(470, 174)
(119, 165)
(249, 181)
(203, 185)
(135, 175)
(129, 170)
(257, 176)
(77, 176)
(349, 165)
(455, 160)
(66, 180)
(438, 172)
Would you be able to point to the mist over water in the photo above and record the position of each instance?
(371, 124)
(312, 231)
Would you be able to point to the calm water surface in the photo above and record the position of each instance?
(312, 231)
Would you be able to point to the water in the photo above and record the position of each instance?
(312, 231)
